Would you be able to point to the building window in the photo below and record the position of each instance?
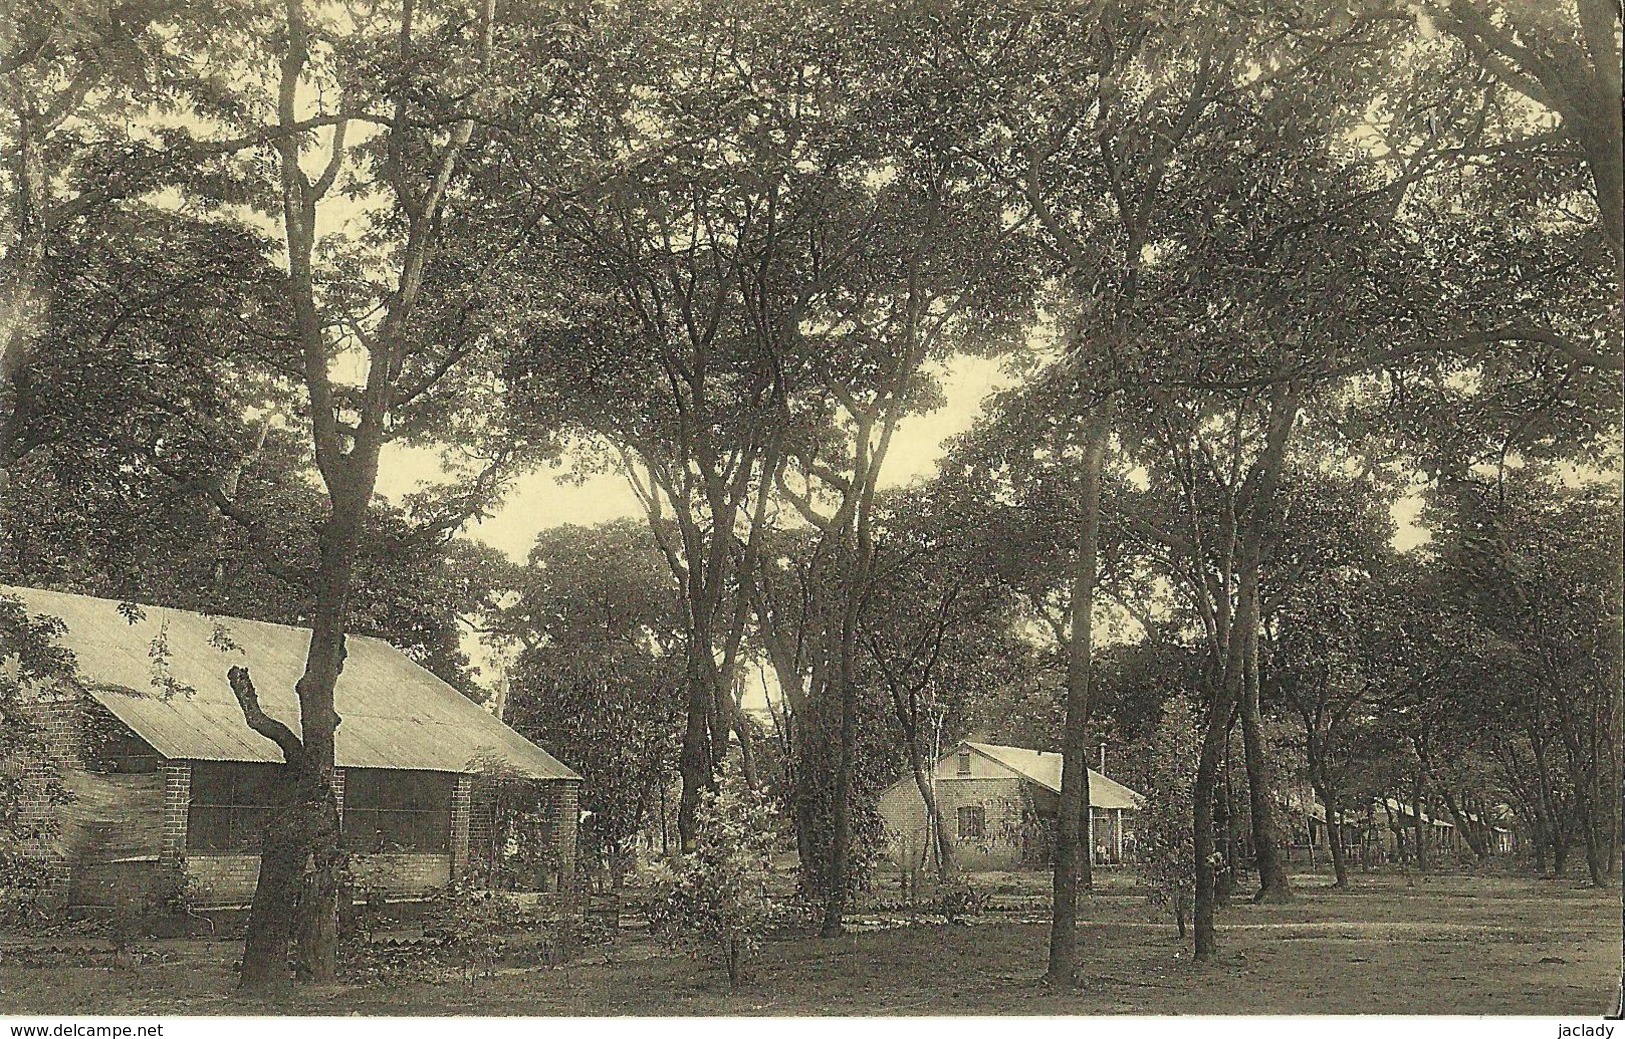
(972, 822)
(231, 802)
(392, 810)
(964, 762)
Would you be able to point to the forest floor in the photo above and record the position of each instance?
(1454, 944)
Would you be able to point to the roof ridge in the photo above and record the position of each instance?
(6, 589)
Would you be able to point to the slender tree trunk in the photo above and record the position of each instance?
(1071, 854)
(1474, 832)
(1334, 835)
(694, 764)
(1204, 788)
(1420, 827)
(1273, 885)
(946, 865)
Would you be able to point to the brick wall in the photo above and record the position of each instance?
(57, 711)
(177, 801)
(222, 879)
(399, 875)
(566, 802)
(461, 807)
(560, 802)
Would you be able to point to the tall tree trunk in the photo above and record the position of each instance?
(317, 929)
(1071, 853)
(1273, 885)
(1260, 495)
(694, 764)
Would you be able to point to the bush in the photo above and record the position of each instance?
(715, 901)
(1165, 842)
(473, 925)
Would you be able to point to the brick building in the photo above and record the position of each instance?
(1000, 803)
(164, 778)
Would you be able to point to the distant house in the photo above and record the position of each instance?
(1386, 830)
(1001, 804)
(163, 772)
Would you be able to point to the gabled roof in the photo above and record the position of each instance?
(1045, 770)
(394, 713)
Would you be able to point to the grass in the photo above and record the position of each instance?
(1444, 944)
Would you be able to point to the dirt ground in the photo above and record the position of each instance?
(1443, 944)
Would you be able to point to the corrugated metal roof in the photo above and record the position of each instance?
(394, 713)
(1045, 770)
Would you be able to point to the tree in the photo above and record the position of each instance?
(937, 635)
(716, 898)
(698, 256)
(393, 301)
(1535, 564)
(600, 674)
(1564, 58)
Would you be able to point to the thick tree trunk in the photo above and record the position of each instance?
(694, 765)
(273, 913)
(1071, 851)
(1273, 885)
(317, 932)
(840, 839)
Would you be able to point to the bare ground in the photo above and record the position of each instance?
(1445, 944)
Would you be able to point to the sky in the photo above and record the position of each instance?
(550, 497)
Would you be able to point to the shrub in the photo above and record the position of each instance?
(714, 901)
(1164, 840)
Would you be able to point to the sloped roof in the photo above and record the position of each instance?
(395, 714)
(1045, 770)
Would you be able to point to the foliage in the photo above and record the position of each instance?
(599, 679)
(715, 900)
(30, 782)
